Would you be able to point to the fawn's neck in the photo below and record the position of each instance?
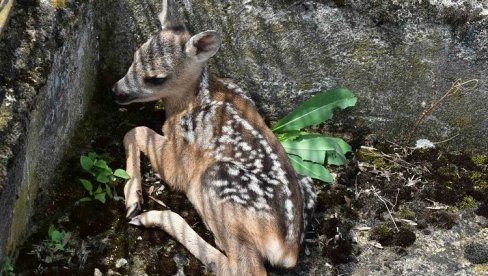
(181, 101)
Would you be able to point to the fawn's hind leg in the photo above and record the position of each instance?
(178, 228)
(137, 140)
(240, 260)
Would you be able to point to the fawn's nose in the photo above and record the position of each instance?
(119, 96)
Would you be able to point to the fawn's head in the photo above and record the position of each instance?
(169, 64)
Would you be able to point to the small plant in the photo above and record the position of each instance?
(53, 248)
(102, 174)
(7, 267)
(309, 152)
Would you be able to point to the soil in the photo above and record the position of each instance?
(392, 210)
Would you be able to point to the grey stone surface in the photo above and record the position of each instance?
(392, 54)
(48, 69)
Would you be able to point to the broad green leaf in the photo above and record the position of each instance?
(314, 155)
(59, 246)
(313, 170)
(331, 143)
(86, 184)
(336, 158)
(316, 110)
(310, 142)
(99, 189)
(288, 135)
(86, 163)
(85, 199)
(343, 147)
(121, 174)
(101, 197)
(103, 178)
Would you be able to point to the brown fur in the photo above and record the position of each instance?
(171, 66)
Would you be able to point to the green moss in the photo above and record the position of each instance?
(481, 269)
(479, 159)
(380, 232)
(363, 51)
(406, 213)
(304, 85)
(366, 155)
(58, 3)
(277, 28)
(475, 176)
(466, 202)
(451, 171)
(5, 117)
(464, 121)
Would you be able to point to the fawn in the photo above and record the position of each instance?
(216, 149)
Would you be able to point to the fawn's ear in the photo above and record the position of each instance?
(169, 16)
(203, 45)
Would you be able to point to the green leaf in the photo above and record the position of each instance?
(314, 155)
(86, 184)
(310, 147)
(86, 163)
(102, 164)
(93, 156)
(57, 236)
(7, 266)
(316, 110)
(103, 178)
(288, 135)
(101, 197)
(99, 189)
(313, 170)
(50, 231)
(85, 199)
(59, 246)
(336, 158)
(108, 190)
(341, 145)
(120, 173)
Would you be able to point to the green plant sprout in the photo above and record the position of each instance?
(309, 152)
(102, 174)
(7, 267)
(52, 249)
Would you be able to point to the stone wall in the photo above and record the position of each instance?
(392, 54)
(48, 69)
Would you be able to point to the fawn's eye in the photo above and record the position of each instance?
(155, 80)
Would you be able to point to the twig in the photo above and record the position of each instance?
(158, 201)
(455, 88)
(386, 205)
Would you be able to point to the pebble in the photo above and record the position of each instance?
(120, 263)
(97, 272)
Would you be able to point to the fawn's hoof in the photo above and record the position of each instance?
(133, 210)
(136, 221)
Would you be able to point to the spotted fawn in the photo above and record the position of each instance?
(216, 149)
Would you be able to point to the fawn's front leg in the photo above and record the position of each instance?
(137, 140)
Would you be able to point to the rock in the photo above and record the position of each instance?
(476, 253)
(120, 263)
(48, 69)
(97, 272)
